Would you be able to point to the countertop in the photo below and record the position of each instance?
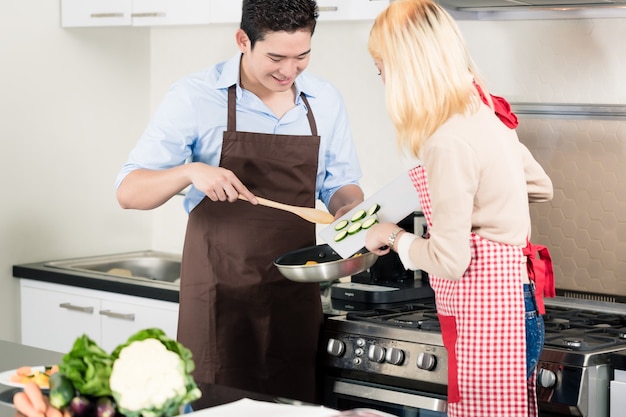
(14, 355)
(39, 271)
(165, 291)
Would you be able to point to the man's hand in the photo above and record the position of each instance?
(219, 184)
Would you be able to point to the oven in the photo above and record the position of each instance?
(392, 359)
(372, 365)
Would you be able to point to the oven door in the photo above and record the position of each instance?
(346, 394)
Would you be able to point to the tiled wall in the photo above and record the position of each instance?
(585, 224)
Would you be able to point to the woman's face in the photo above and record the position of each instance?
(275, 61)
(381, 68)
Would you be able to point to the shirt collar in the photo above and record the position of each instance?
(230, 76)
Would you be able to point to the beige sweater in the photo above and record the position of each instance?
(481, 179)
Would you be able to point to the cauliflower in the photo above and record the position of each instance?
(146, 374)
(151, 376)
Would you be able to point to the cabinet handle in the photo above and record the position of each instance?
(122, 316)
(149, 14)
(328, 8)
(72, 307)
(106, 15)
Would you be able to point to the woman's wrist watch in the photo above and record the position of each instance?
(392, 237)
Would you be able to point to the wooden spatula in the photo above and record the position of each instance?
(307, 213)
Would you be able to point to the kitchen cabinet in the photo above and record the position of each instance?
(95, 13)
(92, 13)
(337, 10)
(54, 315)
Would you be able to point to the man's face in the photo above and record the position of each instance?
(275, 61)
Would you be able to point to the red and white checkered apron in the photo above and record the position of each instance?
(483, 326)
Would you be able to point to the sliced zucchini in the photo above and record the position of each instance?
(369, 222)
(358, 215)
(341, 236)
(354, 228)
(373, 210)
(341, 225)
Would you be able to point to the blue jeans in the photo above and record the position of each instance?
(535, 330)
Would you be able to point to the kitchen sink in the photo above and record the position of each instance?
(145, 265)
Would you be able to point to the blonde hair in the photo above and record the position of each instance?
(427, 66)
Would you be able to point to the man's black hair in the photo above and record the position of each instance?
(259, 17)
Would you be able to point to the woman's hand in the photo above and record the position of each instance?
(32, 403)
(377, 237)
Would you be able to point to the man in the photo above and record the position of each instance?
(253, 125)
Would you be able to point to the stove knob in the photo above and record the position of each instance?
(376, 353)
(395, 356)
(426, 361)
(335, 347)
(546, 378)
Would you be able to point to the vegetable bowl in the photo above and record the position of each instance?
(321, 264)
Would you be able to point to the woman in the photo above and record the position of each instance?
(474, 187)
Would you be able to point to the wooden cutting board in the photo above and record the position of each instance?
(397, 200)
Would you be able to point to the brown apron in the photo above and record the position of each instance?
(246, 325)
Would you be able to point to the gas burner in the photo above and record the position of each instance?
(413, 316)
(558, 318)
(582, 340)
(424, 320)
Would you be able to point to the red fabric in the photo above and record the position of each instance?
(502, 108)
(449, 336)
(539, 264)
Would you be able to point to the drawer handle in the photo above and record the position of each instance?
(70, 306)
(149, 14)
(122, 316)
(106, 15)
(328, 8)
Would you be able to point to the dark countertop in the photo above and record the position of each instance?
(14, 355)
(39, 271)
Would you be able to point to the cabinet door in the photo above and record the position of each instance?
(225, 11)
(331, 10)
(53, 319)
(170, 12)
(82, 13)
(121, 319)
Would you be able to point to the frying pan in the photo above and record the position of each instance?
(329, 267)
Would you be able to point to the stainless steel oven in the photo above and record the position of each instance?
(385, 367)
(393, 359)
(348, 394)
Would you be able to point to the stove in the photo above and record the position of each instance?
(371, 356)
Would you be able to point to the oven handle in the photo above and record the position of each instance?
(391, 397)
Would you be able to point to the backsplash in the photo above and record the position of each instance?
(584, 226)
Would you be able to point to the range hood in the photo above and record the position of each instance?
(517, 5)
(534, 9)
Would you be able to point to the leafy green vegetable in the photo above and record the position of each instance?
(151, 374)
(88, 366)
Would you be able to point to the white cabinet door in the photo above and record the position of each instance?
(54, 315)
(85, 13)
(54, 319)
(82, 13)
(333, 10)
(121, 319)
(225, 11)
(170, 12)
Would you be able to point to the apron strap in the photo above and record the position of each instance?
(232, 111)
